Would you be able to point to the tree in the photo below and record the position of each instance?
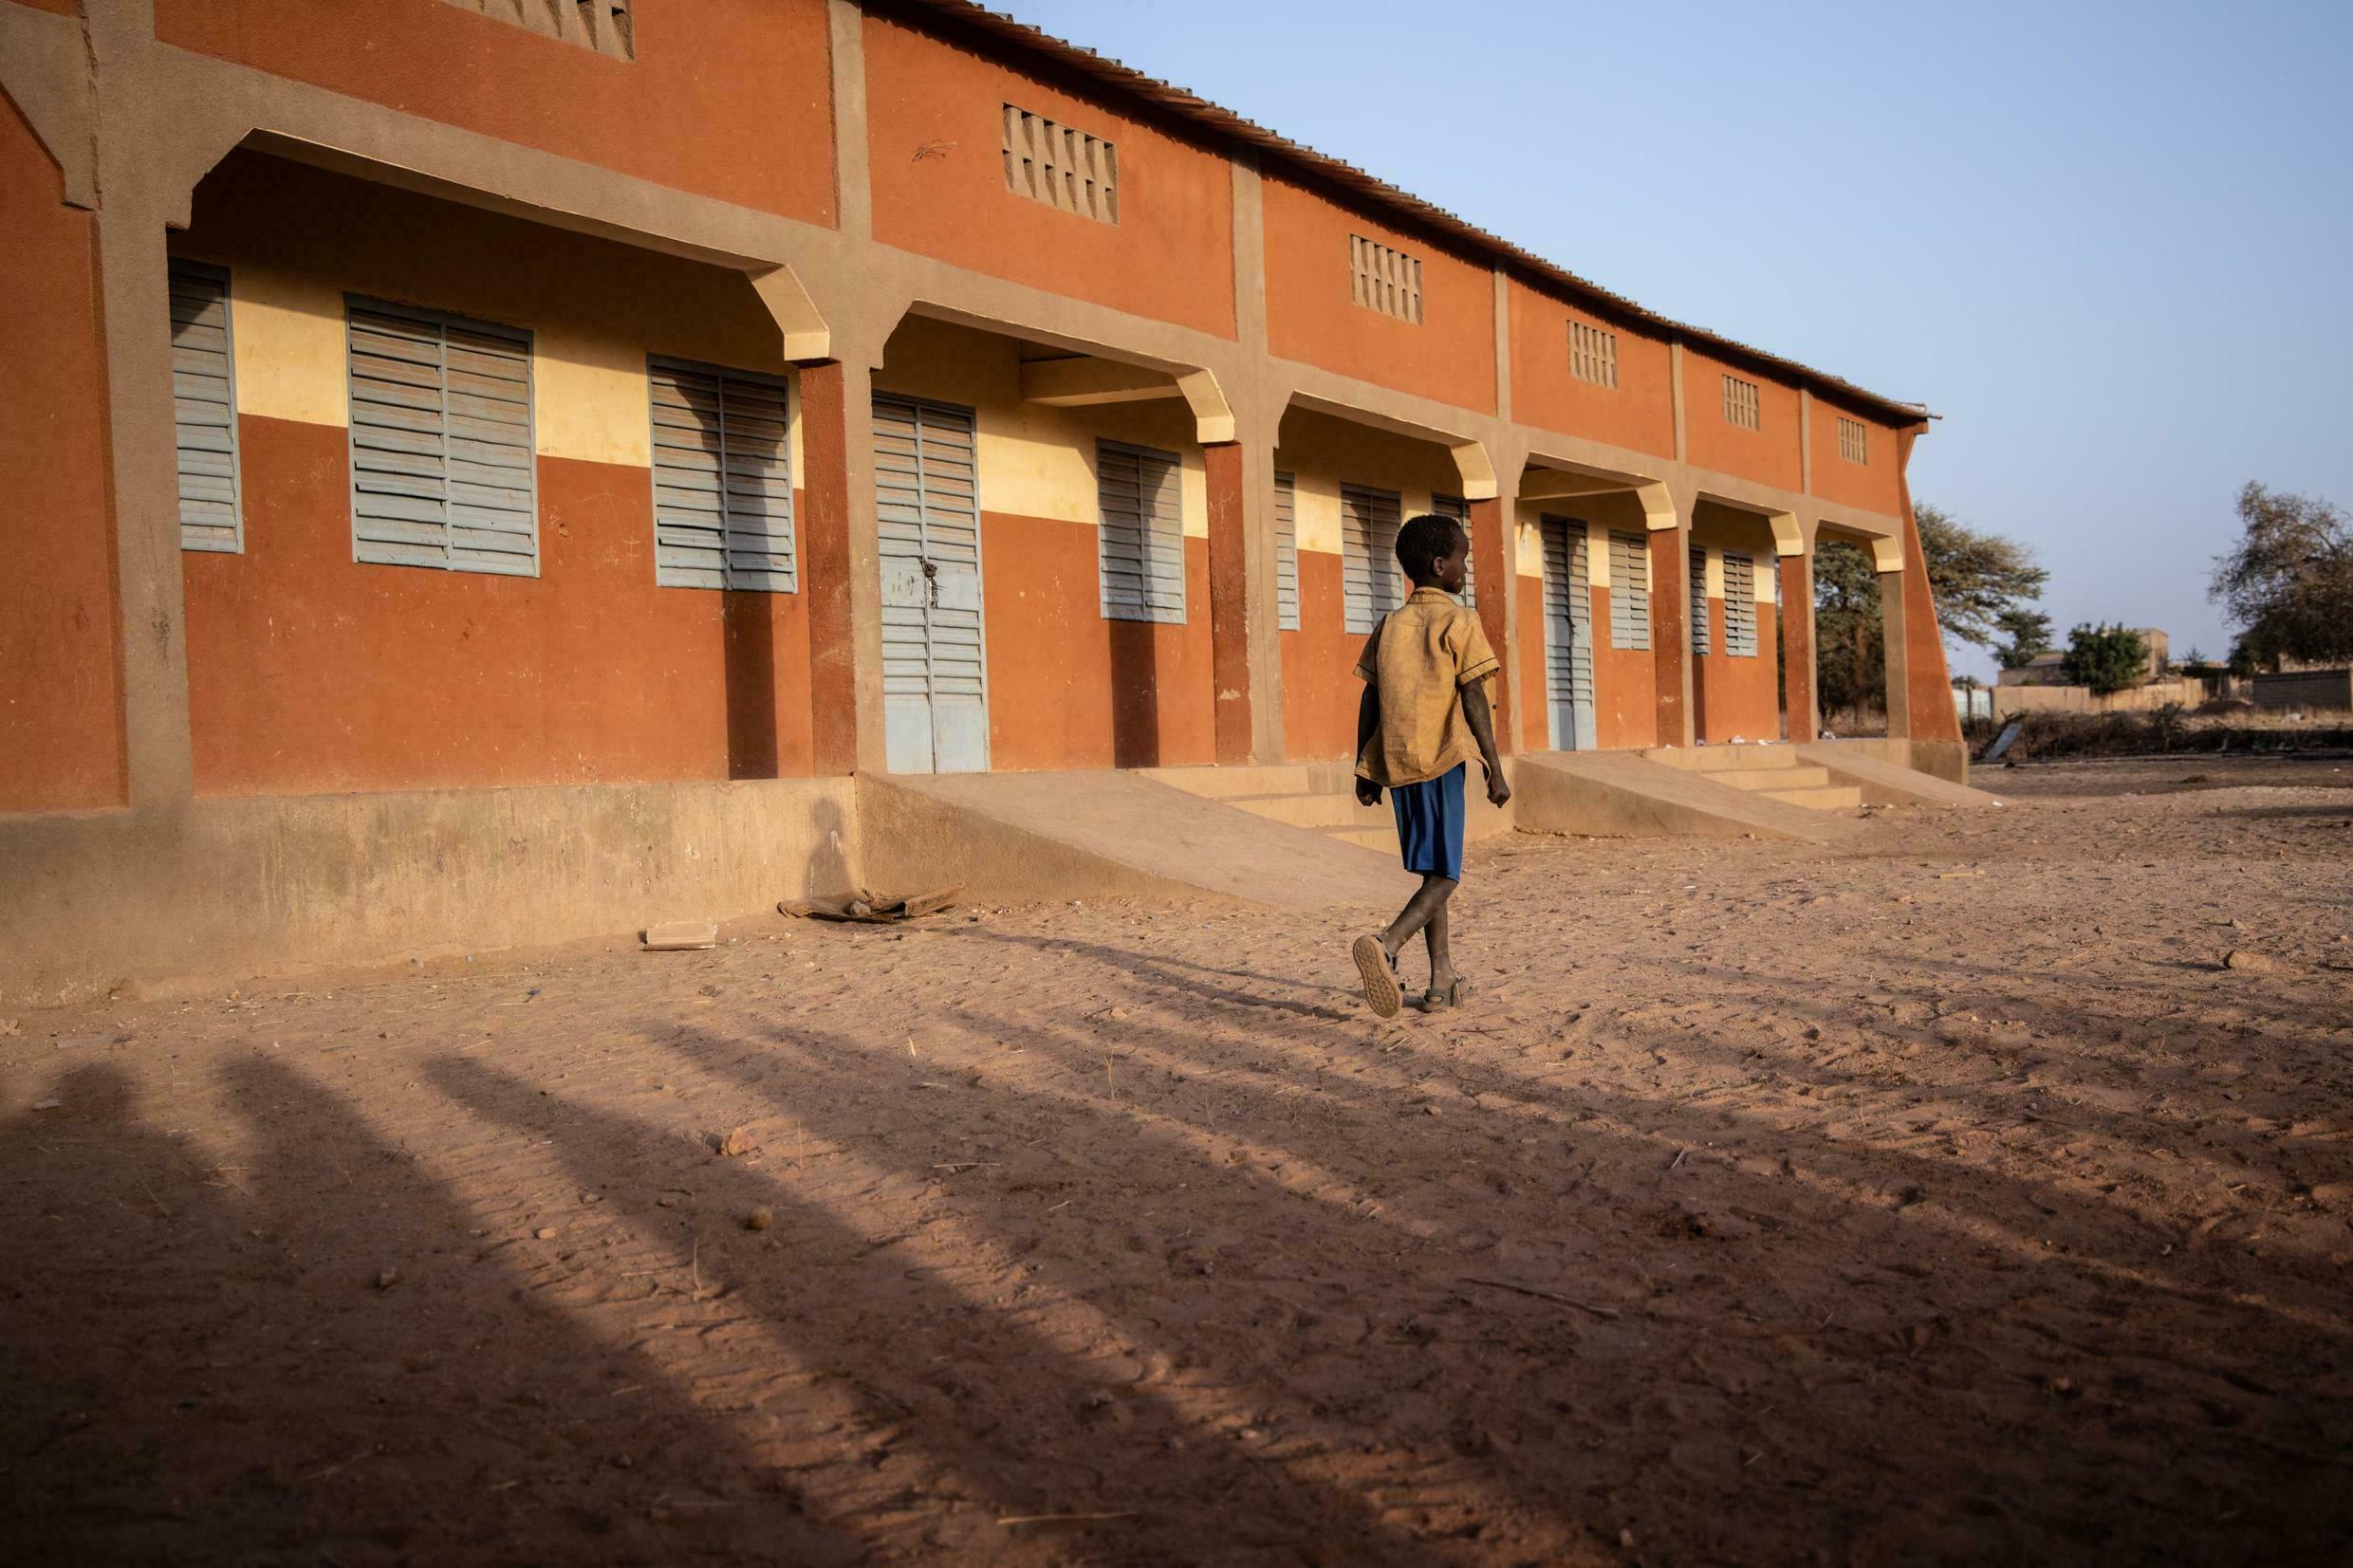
(2287, 583)
(2107, 659)
(1975, 580)
(1850, 672)
(2028, 636)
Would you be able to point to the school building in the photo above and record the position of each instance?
(483, 470)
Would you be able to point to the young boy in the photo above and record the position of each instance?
(1425, 671)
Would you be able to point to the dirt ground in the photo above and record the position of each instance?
(1945, 1198)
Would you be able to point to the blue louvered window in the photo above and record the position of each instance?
(204, 409)
(442, 473)
(722, 479)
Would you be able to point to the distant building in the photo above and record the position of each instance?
(2049, 669)
(2306, 691)
(2042, 669)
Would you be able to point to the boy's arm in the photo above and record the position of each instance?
(1481, 718)
(1367, 721)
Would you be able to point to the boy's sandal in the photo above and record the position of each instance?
(1379, 971)
(1435, 1000)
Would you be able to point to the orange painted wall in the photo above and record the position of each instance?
(60, 706)
(1069, 689)
(1768, 455)
(1637, 414)
(310, 673)
(1532, 700)
(1450, 356)
(1738, 695)
(730, 98)
(1320, 688)
(1871, 484)
(1625, 687)
(935, 126)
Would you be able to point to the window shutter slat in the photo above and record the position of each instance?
(1739, 605)
(204, 409)
(1580, 595)
(722, 473)
(442, 468)
(1698, 599)
(1141, 539)
(1629, 592)
(1287, 552)
(1368, 530)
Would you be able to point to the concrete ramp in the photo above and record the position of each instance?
(1022, 836)
(1622, 795)
(1884, 783)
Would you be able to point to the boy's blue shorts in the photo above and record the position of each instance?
(1429, 823)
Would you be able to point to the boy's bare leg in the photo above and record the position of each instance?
(1441, 961)
(1428, 903)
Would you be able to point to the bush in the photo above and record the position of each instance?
(2107, 659)
(2052, 737)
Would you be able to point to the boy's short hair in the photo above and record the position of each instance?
(1423, 540)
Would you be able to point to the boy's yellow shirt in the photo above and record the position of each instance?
(1419, 658)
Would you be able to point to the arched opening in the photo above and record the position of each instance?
(505, 503)
(1344, 483)
(1043, 535)
(1733, 587)
(1850, 646)
(1589, 663)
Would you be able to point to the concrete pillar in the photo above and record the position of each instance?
(1495, 565)
(1670, 620)
(1919, 685)
(1228, 599)
(840, 572)
(134, 314)
(1800, 705)
(1245, 647)
(1894, 652)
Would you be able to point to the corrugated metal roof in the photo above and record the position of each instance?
(1279, 152)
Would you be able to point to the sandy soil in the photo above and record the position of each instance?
(1941, 1199)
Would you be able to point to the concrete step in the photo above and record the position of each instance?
(1626, 795)
(1317, 810)
(1717, 759)
(1050, 835)
(1833, 798)
(1382, 835)
(1771, 778)
(1225, 782)
(1881, 770)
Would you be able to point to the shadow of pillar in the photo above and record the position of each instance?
(1134, 693)
(750, 659)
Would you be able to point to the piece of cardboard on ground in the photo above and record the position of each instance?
(682, 936)
(869, 909)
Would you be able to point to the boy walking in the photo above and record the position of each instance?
(1425, 671)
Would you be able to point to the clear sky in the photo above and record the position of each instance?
(2111, 245)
